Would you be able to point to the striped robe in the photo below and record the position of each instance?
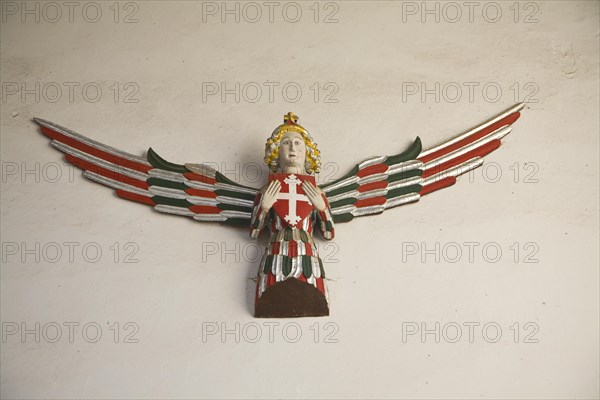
(291, 252)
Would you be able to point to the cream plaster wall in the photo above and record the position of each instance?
(387, 275)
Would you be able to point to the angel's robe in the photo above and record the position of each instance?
(291, 252)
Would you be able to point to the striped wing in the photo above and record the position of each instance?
(192, 190)
(384, 182)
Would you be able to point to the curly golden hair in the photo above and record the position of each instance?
(313, 156)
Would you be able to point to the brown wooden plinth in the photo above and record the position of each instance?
(289, 299)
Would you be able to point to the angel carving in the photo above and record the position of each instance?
(291, 276)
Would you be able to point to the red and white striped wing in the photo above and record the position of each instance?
(384, 182)
(466, 151)
(193, 190)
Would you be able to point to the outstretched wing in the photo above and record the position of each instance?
(384, 182)
(192, 190)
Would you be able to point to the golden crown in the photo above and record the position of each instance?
(290, 124)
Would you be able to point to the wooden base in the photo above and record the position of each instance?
(290, 299)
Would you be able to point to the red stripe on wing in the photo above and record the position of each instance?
(199, 178)
(508, 120)
(201, 193)
(437, 185)
(135, 197)
(205, 209)
(59, 137)
(478, 152)
(372, 170)
(372, 186)
(115, 176)
(371, 201)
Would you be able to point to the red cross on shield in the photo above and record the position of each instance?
(292, 204)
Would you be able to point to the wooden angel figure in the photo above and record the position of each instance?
(290, 275)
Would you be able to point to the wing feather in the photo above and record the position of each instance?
(383, 182)
(192, 190)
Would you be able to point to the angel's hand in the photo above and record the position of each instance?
(270, 196)
(314, 196)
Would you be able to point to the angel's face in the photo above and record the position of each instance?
(292, 151)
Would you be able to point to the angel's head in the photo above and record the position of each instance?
(290, 145)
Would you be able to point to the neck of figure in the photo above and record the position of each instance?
(294, 168)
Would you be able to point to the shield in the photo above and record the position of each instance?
(292, 204)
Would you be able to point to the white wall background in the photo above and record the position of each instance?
(545, 201)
